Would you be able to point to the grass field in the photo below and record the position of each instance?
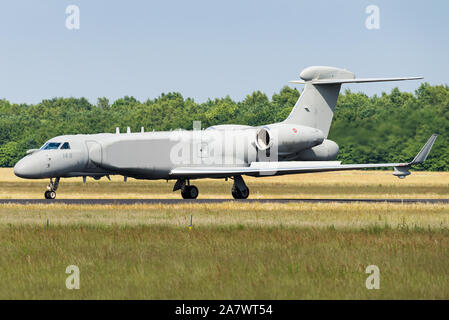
(234, 250)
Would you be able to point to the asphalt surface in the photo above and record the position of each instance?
(180, 201)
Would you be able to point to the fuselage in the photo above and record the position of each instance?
(153, 155)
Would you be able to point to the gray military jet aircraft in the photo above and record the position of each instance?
(298, 144)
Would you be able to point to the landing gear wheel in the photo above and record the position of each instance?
(237, 194)
(51, 189)
(189, 192)
(50, 194)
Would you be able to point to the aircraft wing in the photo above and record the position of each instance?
(271, 168)
(291, 167)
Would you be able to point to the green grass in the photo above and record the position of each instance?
(233, 262)
(234, 251)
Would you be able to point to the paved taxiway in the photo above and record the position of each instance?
(180, 201)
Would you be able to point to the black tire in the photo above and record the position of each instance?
(50, 195)
(189, 192)
(237, 194)
(244, 193)
(193, 192)
(185, 193)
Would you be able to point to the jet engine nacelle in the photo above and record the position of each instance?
(288, 138)
(326, 151)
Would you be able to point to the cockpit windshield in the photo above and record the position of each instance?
(51, 146)
(55, 145)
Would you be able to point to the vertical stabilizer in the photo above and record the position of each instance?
(315, 107)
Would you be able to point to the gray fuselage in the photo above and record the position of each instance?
(153, 155)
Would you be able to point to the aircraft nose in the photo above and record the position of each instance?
(25, 168)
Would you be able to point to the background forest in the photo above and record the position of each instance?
(385, 128)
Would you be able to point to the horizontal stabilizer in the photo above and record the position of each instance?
(360, 80)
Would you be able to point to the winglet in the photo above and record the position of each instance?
(422, 155)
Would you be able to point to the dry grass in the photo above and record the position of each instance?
(349, 184)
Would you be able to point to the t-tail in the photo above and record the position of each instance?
(315, 107)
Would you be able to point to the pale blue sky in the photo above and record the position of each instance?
(212, 48)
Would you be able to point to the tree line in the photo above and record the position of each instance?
(381, 128)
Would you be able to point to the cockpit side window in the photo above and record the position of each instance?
(51, 146)
(65, 146)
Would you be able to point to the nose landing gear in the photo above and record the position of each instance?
(51, 189)
(50, 194)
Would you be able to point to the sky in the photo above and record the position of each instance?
(210, 49)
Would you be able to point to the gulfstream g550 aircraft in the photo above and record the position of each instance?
(298, 144)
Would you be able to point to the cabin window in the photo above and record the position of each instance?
(51, 146)
(65, 146)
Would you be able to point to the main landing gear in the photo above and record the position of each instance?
(239, 188)
(187, 191)
(51, 189)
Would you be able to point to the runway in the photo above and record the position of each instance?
(207, 201)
